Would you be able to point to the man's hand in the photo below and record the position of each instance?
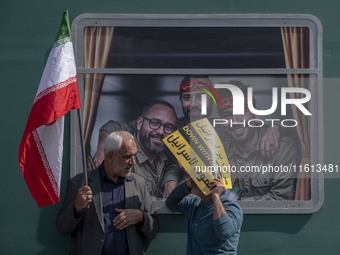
(168, 187)
(270, 142)
(217, 187)
(84, 197)
(127, 217)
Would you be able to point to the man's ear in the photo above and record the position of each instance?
(109, 155)
(139, 123)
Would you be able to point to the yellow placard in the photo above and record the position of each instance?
(199, 150)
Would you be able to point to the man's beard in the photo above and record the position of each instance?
(146, 143)
(248, 134)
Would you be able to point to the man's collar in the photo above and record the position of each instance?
(258, 144)
(140, 155)
(207, 203)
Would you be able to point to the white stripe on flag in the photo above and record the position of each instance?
(51, 150)
(59, 67)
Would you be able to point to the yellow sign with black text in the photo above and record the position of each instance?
(199, 150)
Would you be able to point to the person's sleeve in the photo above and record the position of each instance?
(282, 188)
(68, 218)
(230, 223)
(150, 226)
(178, 201)
(172, 173)
(283, 182)
(113, 126)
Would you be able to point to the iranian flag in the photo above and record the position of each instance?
(41, 148)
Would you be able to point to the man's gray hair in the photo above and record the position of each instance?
(114, 141)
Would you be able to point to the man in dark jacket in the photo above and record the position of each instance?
(112, 213)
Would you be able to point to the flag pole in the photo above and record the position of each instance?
(82, 147)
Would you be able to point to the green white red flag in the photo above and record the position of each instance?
(41, 148)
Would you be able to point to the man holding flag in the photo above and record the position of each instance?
(114, 212)
(40, 157)
(41, 148)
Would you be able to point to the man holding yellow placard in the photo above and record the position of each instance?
(214, 221)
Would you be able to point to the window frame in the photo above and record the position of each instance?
(217, 20)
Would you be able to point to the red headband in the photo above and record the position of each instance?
(227, 103)
(193, 85)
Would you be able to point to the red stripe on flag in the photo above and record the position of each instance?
(35, 173)
(54, 104)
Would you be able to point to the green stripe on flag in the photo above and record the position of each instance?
(64, 34)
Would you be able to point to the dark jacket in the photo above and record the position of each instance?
(87, 232)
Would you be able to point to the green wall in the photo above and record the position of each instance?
(28, 29)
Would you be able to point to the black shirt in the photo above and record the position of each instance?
(113, 196)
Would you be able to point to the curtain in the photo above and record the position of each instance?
(97, 45)
(296, 50)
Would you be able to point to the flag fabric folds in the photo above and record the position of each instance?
(41, 148)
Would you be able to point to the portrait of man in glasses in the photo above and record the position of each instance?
(157, 120)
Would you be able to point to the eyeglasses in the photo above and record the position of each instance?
(155, 124)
